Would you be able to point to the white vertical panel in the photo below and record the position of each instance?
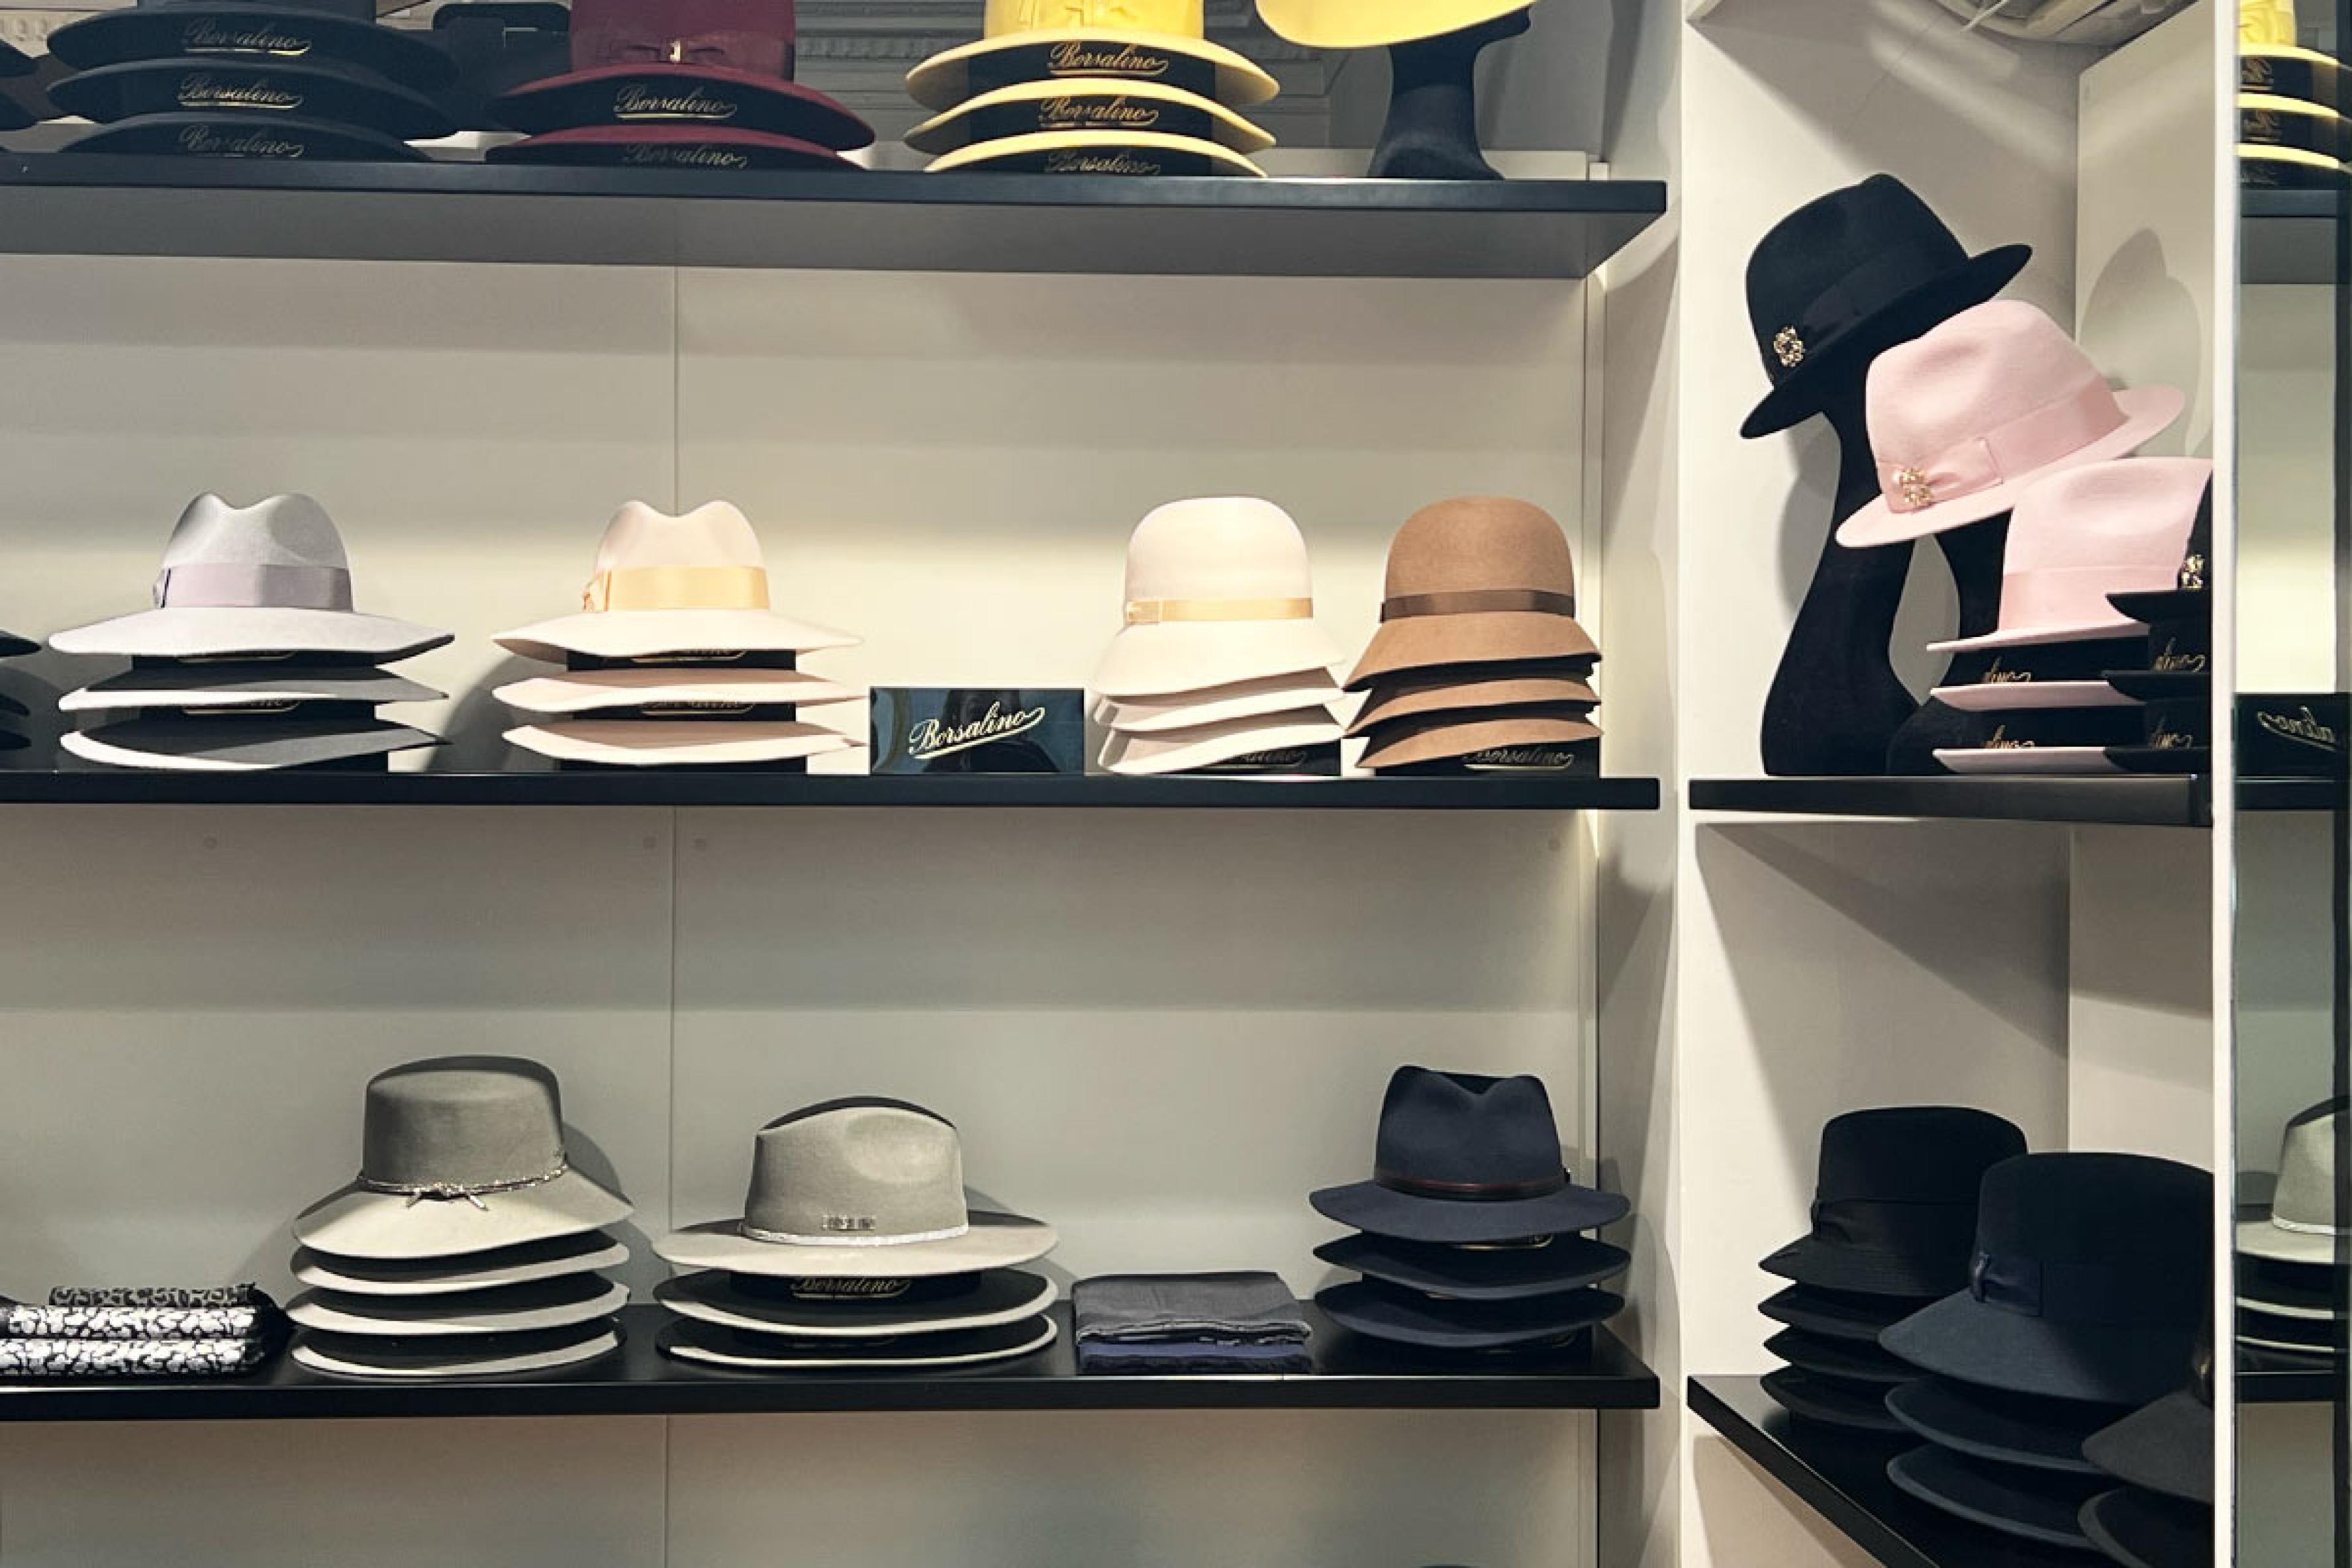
(2140, 1008)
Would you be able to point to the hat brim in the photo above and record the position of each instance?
(2035, 1505)
(2007, 1428)
(2261, 1238)
(2166, 1446)
(1442, 737)
(2286, 1289)
(2161, 685)
(2039, 636)
(327, 93)
(221, 686)
(1489, 636)
(705, 1344)
(391, 1226)
(209, 632)
(744, 100)
(957, 127)
(516, 1309)
(1407, 1217)
(1132, 153)
(1172, 657)
(1849, 1359)
(2270, 1330)
(1479, 1274)
(229, 744)
(598, 691)
(1468, 698)
(2156, 605)
(1182, 751)
(991, 1241)
(646, 634)
(1408, 1318)
(241, 135)
(13, 647)
(2148, 411)
(151, 32)
(1834, 365)
(679, 742)
(12, 741)
(1831, 1266)
(2009, 696)
(1283, 693)
(2162, 759)
(993, 1297)
(2140, 1530)
(583, 1253)
(2026, 759)
(490, 1355)
(945, 78)
(11, 708)
(659, 144)
(1376, 24)
(2113, 1363)
(1855, 1408)
(1839, 1314)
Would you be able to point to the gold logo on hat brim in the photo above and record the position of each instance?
(1788, 348)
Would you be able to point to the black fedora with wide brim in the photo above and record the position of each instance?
(1860, 1271)
(1853, 1408)
(683, 95)
(1845, 1359)
(2007, 1428)
(266, 90)
(2035, 1505)
(235, 33)
(244, 135)
(1411, 1217)
(1489, 1273)
(1839, 1314)
(2166, 1446)
(1397, 1316)
(2143, 1530)
(2115, 1364)
(13, 647)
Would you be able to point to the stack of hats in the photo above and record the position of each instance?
(2291, 126)
(16, 64)
(1152, 1325)
(2294, 1282)
(1478, 664)
(309, 79)
(675, 659)
(1468, 1233)
(2085, 1298)
(11, 739)
(1091, 87)
(2171, 676)
(469, 1243)
(2162, 1515)
(680, 84)
(160, 1331)
(253, 656)
(1894, 1218)
(1220, 666)
(856, 1248)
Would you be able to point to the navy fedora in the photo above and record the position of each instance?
(1852, 1407)
(1387, 1312)
(2037, 1505)
(1460, 1157)
(2149, 1530)
(2008, 1428)
(1894, 1204)
(1839, 1314)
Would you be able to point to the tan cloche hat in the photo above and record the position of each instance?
(1476, 580)
(1446, 736)
(1468, 693)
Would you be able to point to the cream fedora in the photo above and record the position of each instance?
(664, 743)
(663, 585)
(1032, 108)
(661, 687)
(1206, 745)
(1242, 700)
(814, 1309)
(1218, 592)
(564, 1256)
(559, 1303)
(859, 1189)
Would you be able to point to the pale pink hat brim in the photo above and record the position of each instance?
(2035, 636)
(2009, 696)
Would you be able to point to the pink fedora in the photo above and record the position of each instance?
(2103, 528)
(1965, 417)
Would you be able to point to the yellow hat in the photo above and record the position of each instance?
(2266, 21)
(1029, 106)
(1163, 41)
(1098, 152)
(1368, 23)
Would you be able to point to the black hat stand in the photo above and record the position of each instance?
(1973, 551)
(1433, 126)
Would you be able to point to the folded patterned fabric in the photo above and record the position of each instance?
(131, 1358)
(1165, 1356)
(1250, 1307)
(23, 1322)
(180, 1296)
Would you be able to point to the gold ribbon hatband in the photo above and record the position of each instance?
(677, 588)
(1153, 612)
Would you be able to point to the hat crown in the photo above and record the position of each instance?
(755, 36)
(2139, 1214)
(280, 531)
(2128, 519)
(1183, 18)
(1446, 1131)
(1819, 245)
(1971, 375)
(1475, 542)
(715, 533)
(465, 1122)
(1912, 1154)
(1220, 547)
(2305, 1197)
(851, 1171)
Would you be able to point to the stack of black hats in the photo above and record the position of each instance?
(287, 80)
(2162, 1515)
(2083, 1299)
(1468, 1232)
(2175, 684)
(1895, 1213)
(15, 63)
(13, 738)
(2292, 1285)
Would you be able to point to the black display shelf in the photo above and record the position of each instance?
(1843, 1479)
(1350, 1373)
(2288, 237)
(54, 203)
(672, 788)
(2147, 800)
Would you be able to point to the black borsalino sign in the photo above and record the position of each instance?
(978, 730)
(2293, 736)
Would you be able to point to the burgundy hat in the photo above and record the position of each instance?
(668, 147)
(703, 63)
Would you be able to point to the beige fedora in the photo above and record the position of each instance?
(1242, 700)
(1206, 745)
(1053, 105)
(1445, 736)
(667, 686)
(1476, 580)
(1465, 693)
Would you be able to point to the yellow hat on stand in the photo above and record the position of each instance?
(1162, 41)
(1371, 24)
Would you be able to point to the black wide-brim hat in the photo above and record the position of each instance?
(2007, 1428)
(683, 95)
(1847, 276)
(1845, 1359)
(1429, 1323)
(243, 33)
(1854, 1406)
(13, 647)
(1839, 1314)
(244, 135)
(11, 708)
(2142, 1529)
(1479, 1273)
(2036, 1505)
(658, 145)
(15, 62)
(2166, 1446)
(266, 90)
(2160, 685)
(1406, 1216)
(2121, 1364)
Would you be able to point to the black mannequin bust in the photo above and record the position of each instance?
(1432, 132)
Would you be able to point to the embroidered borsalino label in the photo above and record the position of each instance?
(1085, 160)
(212, 38)
(1079, 58)
(2303, 727)
(199, 90)
(635, 101)
(204, 141)
(1995, 674)
(929, 738)
(2172, 661)
(1095, 114)
(655, 155)
(2166, 739)
(2001, 740)
(850, 1289)
(1545, 759)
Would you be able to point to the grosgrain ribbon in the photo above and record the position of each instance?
(1868, 289)
(1153, 611)
(1476, 601)
(1474, 1192)
(253, 585)
(2085, 1292)
(787, 1239)
(2059, 427)
(455, 1192)
(676, 588)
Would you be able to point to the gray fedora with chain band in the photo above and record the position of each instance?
(462, 1154)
